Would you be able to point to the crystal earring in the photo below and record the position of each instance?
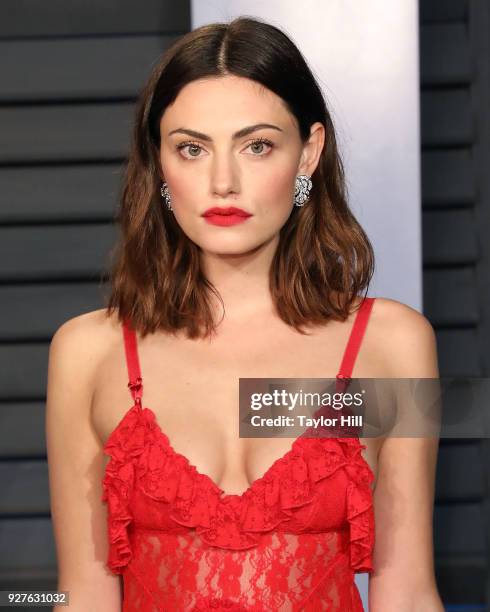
(166, 195)
(302, 189)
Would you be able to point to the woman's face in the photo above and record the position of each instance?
(217, 151)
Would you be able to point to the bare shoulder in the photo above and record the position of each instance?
(88, 331)
(405, 338)
(399, 315)
(80, 343)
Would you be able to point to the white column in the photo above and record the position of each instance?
(365, 55)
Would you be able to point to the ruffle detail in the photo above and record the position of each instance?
(222, 520)
(142, 453)
(125, 443)
(360, 510)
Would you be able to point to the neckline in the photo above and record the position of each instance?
(222, 495)
(136, 388)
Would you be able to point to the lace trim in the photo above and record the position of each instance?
(117, 487)
(140, 452)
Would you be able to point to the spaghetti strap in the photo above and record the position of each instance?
(135, 383)
(355, 339)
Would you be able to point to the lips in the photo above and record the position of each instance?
(225, 216)
(228, 211)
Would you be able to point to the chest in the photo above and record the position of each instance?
(192, 387)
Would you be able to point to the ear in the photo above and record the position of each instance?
(312, 150)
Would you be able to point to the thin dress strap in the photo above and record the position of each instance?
(355, 339)
(135, 383)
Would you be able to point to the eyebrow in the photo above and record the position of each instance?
(240, 134)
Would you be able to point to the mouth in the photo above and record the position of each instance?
(226, 212)
(225, 217)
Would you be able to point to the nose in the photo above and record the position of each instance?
(224, 175)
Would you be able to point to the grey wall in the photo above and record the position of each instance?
(455, 82)
(69, 74)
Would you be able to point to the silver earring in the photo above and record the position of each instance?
(302, 189)
(166, 195)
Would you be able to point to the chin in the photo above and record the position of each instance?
(229, 247)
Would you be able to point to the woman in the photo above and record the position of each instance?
(238, 257)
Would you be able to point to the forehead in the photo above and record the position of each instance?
(226, 102)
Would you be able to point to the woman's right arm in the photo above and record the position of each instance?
(76, 464)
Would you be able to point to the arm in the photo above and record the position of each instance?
(76, 463)
(404, 579)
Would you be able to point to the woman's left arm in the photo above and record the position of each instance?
(404, 578)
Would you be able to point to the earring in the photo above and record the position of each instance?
(302, 189)
(166, 195)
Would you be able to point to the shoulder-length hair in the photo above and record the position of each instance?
(324, 259)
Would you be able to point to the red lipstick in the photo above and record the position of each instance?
(226, 216)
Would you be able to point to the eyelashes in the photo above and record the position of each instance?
(185, 145)
(196, 145)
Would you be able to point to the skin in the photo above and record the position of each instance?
(87, 393)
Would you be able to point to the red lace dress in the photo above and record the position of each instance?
(292, 541)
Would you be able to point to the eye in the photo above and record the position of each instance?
(259, 143)
(191, 148)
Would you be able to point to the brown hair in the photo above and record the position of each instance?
(156, 279)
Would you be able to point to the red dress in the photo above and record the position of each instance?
(292, 541)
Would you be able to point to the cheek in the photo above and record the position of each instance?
(274, 191)
(181, 190)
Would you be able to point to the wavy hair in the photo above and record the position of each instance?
(323, 260)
